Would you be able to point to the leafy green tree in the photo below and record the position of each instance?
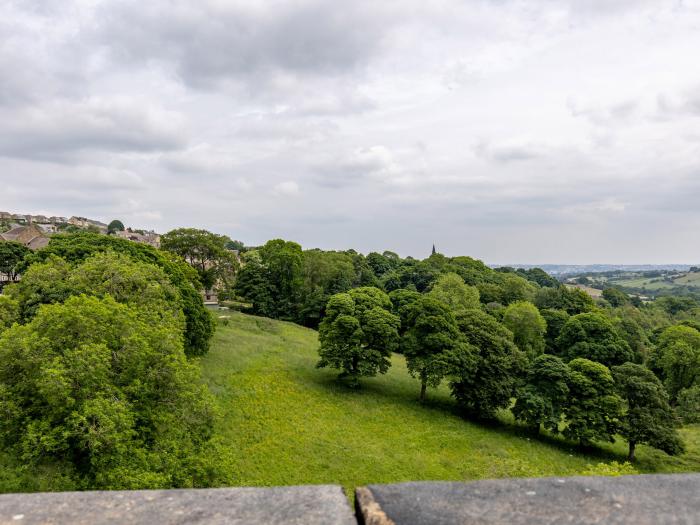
(528, 327)
(42, 283)
(274, 283)
(514, 288)
(358, 334)
(592, 336)
(648, 418)
(689, 405)
(615, 297)
(677, 359)
(540, 401)
(324, 274)
(143, 286)
(89, 389)
(431, 341)
(11, 255)
(206, 252)
(381, 264)
(9, 312)
(572, 300)
(401, 302)
(539, 276)
(486, 382)
(75, 248)
(674, 305)
(449, 288)
(555, 319)
(592, 409)
(115, 226)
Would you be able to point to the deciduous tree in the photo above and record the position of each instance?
(648, 418)
(431, 341)
(593, 409)
(528, 327)
(541, 399)
(358, 334)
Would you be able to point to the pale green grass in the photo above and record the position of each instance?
(286, 422)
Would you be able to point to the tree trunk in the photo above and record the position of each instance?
(422, 391)
(630, 456)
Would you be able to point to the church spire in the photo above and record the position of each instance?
(434, 252)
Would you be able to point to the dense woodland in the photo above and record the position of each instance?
(98, 341)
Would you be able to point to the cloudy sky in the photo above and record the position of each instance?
(512, 131)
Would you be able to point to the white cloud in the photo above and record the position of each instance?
(489, 127)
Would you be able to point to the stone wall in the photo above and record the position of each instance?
(633, 500)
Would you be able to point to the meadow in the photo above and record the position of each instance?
(285, 422)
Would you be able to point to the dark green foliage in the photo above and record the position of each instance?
(615, 297)
(676, 359)
(274, 281)
(401, 301)
(432, 342)
(592, 336)
(539, 276)
(555, 319)
(11, 256)
(592, 409)
(75, 248)
(572, 300)
(93, 390)
(648, 418)
(206, 252)
(381, 264)
(689, 405)
(673, 305)
(115, 226)
(326, 274)
(358, 334)
(540, 401)
(483, 386)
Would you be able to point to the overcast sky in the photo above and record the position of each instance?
(512, 131)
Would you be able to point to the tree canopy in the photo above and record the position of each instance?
(592, 336)
(358, 334)
(12, 254)
(207, 253)
(542, 397)
(648, 418)
(75, 248)
(528, 327)
(432, 341)
(92, 389)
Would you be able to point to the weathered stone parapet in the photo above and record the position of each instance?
(307, 505)
(628, 500)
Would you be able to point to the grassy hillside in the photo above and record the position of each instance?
(286, 422)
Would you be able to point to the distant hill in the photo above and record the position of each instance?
(584, 269)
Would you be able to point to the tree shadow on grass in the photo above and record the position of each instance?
(406, 398)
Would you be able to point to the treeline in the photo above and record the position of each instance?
(503, 339)
(282, 281)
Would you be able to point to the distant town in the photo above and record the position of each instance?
(34, 231)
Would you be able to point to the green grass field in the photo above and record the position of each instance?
(285, 422)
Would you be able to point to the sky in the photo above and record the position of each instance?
(546, 131)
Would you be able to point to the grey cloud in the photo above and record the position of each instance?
(507, 152)
(60, 129)
(211, 42)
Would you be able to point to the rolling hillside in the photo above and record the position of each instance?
(285, 422)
